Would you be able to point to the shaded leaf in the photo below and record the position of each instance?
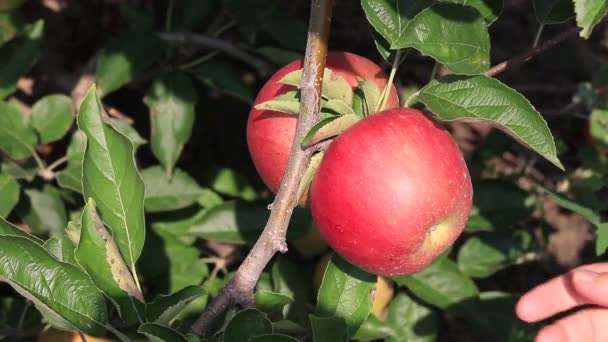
(158, 333)
(334, 86)
(553, 11)
(273, 338)
(238, 222)
(43, 210)
(7, 228)
(328, 128)
(166, 307)
(62, 248)
(18, 55)
(390, 18)
(271, 302)
(125, 57)
(328, 329)
(292, 281)
(485, 254)
(21, 169)
(245, 324)
(17, 138)
(71, 176)
(229, 182)
(224, 77)
(171, 100)
(52, 117)
(441, 284)
(9, 188)
(487, 99)
(12, 22)
(489, 9)
(163, 194)
(98, 255)
(69, 298)
(110, 178)
(126, 128)
(373, 329)
(411, 321)
(345, 292)
(454, 35)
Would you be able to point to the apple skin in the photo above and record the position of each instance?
(270, 134)
(392, 192)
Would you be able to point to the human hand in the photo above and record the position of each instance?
(584, 285)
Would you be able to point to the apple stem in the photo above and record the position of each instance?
(239, 290)
(386, 91)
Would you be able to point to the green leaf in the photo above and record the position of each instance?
(6, 228)
(487, 99)
(26, 169)
(166, 307)
(246, 324)
(224, 77)
(171, 100)
(334, 86)
(454, 35)
(110, 177)
(441, 284)
(340, 107)
(158, 333)
(164, 264)
(18, 55)
(390, 18)
(373, 329)
(328, 329)
(12, 23)
(98, 255)
(163, 194)
(68, 298)
(589, 13)
(282, 104)
(238, 222)
(187, 14)
(345, 292)
(126, 57)
(17, 138)
(411, 320)
(371, 96)
(309, 174)
(329, 127)
(125, 126)
(553, 11)
(52, 117)
(231, 183)
(71, 176)
(489, 9)
(62, 248)
(43, 210)
(291, 280)
(271, 302)
(598, 126)
(485, 254)
(9, 188)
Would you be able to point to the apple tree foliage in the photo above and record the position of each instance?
(109, 234)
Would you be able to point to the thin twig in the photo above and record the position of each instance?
(524, 57)
(239, 291)
(208, 42)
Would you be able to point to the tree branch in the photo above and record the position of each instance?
(239, 291)
(526, 56)
(207, 42)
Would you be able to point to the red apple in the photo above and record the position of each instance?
(392, 192)
(270, 134)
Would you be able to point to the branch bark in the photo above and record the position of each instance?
(528, 55)
(207, 42)
(239, 291)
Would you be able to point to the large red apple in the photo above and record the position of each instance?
(392, 192)
(270, 134)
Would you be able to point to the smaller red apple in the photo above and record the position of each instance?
(392, 192)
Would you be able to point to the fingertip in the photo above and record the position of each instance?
(551, 333)
(524, 310)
